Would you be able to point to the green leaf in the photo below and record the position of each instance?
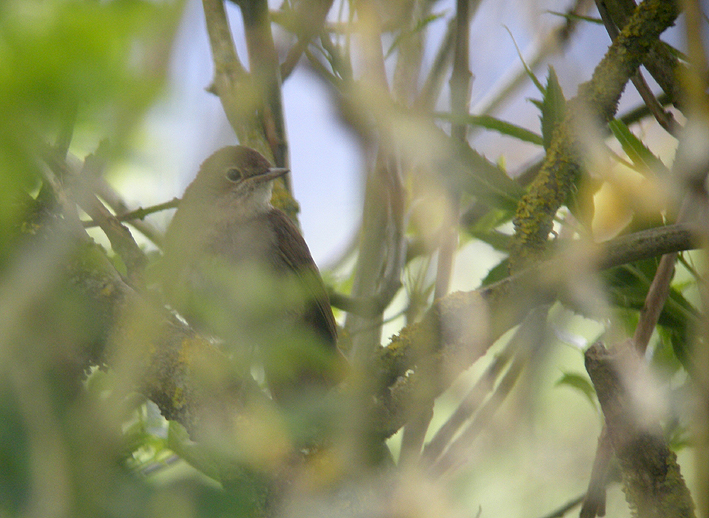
(580, 383)
(669, 349)
(553, 107)
(627, 287)
(487, 182)
(403, 34)
(577, 17)
(500, 271)
(637, 151)
(196, 455)
(492, 123)
(497, 240)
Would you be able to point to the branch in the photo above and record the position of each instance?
(460, 328)
(594, 501)
(654, 486)
(599, 98)
(525, 343)
(308, 20)
(460, 87)
(236, 90)
(135, 217)
(266, 77)
(120, 237)
(662, 64)
(663, 118)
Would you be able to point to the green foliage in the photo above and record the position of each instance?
(67, 68)
(642, 158)
(15, 469)
(484, 180)
(57, 58)
(628, 286)
(500, 271)
(552, 107)
(580, 383)
(73, 73)
(492, 123)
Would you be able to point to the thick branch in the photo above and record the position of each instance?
(653, 484)
(265, 72)
(236, 90)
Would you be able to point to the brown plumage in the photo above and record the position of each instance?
(237, 267)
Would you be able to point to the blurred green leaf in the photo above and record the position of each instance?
(577, 17)
(106, 61)
(14, 456)
(643, 159)
(95, 54)
(580, 383)
(403, 34)
(492, 123)
(497, 240)
(487, 182)
(552, 106)
(627, 288)
(497, 273)
(665, 355)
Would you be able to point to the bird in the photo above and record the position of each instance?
(238, 268)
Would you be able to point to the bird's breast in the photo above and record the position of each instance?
(243, 241)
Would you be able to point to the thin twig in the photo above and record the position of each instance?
(134, 217)
(561, 511)
(431, 89)
(309, 21)
(526, 342)
(468, 406)
(121, 239)
(594, 501)
(460, 87)
(381, 237)
(542, 48)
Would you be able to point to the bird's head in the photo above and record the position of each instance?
(235, 176)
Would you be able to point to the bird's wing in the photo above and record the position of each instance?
(295, 253)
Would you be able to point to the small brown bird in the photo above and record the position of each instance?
(238, 268)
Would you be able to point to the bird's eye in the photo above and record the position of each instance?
(234, 174)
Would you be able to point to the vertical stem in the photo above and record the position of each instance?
(376, 220)
(461, 77)
(415, 430)
(265, 69)
(694, 177)
(460, 83)
(231, 82)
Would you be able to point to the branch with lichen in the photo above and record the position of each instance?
(653, 484)
(461, 327)
(178, 363)
(597, 98)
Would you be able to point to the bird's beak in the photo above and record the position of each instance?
(272, 174)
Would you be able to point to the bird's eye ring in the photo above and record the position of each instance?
(234, 174)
